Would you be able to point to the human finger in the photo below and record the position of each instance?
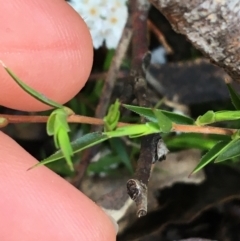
(48, 46)
(40, 205)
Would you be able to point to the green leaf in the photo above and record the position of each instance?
(66, 148)
(193, 140)
(212, 117)
(50, 124)
(61, 120)
(127, 130)
(149, 114)
(210, 155)
(177, 118)
(112, 117)
(232, 150)
(207, 118)
(151, 127)
(78, 145)
(134, 131)
(164, 122)
(56, 121)
(57, 126)
(31, 91)
(227, 115)
(118, 146)
(234, 96)
(58, 118)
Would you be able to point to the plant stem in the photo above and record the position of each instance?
(203, 129)
(97, 121)
(44, 119)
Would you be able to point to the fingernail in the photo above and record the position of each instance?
(112, 219)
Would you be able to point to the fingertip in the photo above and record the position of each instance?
(48, 46)
(40, 205)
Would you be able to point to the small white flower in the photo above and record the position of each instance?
(115, 21)
(104, 18)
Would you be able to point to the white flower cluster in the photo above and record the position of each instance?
(104, 18)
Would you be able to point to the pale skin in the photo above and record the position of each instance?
(49, 47)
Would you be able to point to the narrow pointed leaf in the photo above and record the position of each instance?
(148, 114)
(234, 96)
(127, 130)
(134, 131)
(164, 122)
(151, 127)
(78, 145)
(177, 118)
(232, 150)
(31, 91)
(65, 146)
(210, 155)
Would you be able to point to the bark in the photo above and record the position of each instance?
(211, 25)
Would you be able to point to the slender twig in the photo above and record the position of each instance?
(44, 119)
(97, 121)
(160, 37)
(109, 83)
